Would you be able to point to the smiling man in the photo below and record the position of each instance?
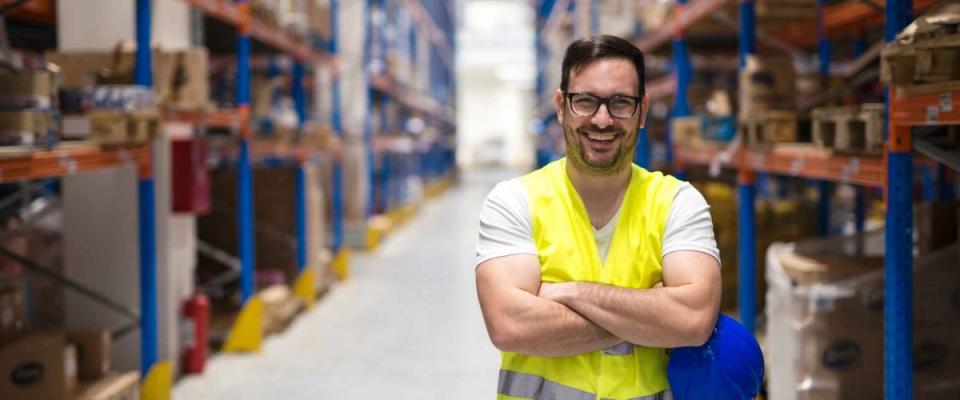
(591, 267)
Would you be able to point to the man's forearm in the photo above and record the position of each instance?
(541, 327)
(658, 317)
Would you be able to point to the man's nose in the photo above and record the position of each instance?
(602, 118)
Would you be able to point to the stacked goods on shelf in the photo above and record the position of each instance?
(272, 108)
(714, 128)
(856, 129)
(275, 225)
(280, 306)
(355, 179)
(96, 379)
(40, 365)
(767, 101)
(41, 296)
(318, 255)
(825, 320)
(27, 109)
(100, 102)
(925, 57)
(776, 220)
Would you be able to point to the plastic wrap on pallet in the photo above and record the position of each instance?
(825, 320)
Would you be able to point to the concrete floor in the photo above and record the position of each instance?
(406, 325)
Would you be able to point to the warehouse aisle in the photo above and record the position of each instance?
(405, 326)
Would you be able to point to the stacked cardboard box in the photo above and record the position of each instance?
(26, 104)
(825, 320)
(40, 366)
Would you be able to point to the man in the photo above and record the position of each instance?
(589, 268)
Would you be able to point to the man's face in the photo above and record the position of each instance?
(601, 144)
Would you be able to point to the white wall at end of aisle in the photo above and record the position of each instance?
(493, 121)
(101, 251)
(87, 26)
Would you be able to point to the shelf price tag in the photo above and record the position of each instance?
(933, 113)
(946, 103)
(796, 165)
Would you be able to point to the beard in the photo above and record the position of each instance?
(577, 154)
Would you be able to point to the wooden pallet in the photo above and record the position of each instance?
(849, 129)
(768, 128)
(928, 65)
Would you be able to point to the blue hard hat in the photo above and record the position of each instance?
(728, 367)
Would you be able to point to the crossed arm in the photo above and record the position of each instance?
(524, 316)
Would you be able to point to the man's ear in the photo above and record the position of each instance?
(558, 105)
(644, 107)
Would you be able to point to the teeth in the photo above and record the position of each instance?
(601, 137)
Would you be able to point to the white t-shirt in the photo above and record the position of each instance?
(505, 227)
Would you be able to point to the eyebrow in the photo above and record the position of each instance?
(612, 95)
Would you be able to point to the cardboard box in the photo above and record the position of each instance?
(686, 131)
(109, 127)
(93, 352)
(767, 84)
(39, 366)
(24, 128)
(27, 83)
(180, 79)
(113, 387)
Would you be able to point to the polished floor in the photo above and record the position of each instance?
(406, 325)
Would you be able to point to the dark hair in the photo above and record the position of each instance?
(589, 49)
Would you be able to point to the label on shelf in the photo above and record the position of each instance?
(933, 113)
(946, 102)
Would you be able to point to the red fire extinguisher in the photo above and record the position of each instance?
(196, 317)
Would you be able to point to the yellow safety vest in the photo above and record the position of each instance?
(568, 252)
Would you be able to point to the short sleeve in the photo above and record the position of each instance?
(689, 225)
(505, 227)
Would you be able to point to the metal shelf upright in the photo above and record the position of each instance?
(746, 189)
(157, 374)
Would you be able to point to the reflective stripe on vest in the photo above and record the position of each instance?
(567, 250)
(526, 386)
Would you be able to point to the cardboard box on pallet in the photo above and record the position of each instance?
(93, 352)
(24, 128)
(27, 89)
(39, 366)
(827, 328)
(767, 84)
(180, 78)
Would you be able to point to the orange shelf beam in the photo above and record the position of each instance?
(942, 109)
(231, 14)
(71, 160)
(842, 19)
(407, 97)
(691, 14)
(860, 170)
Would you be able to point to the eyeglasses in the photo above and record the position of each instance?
(586, 104)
